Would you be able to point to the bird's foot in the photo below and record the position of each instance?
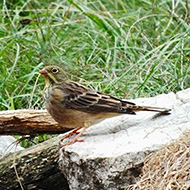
(76, 138)
(75, 131)
(72, 142)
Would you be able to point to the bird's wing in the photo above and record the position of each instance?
(82, 98)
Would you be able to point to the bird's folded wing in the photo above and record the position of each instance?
(81, 98)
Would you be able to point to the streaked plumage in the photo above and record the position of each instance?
(74, 105)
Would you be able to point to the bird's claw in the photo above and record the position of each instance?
(72, 142)
(76, 138)
(71, 133)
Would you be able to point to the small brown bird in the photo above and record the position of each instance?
(73, 105)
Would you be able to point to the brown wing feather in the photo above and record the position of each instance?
(84, 99)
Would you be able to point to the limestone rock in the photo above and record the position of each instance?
(113, 151)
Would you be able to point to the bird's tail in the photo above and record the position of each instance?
(136, 108)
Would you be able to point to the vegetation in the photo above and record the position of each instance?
(128, 49)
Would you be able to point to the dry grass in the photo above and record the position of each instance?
(167, 169)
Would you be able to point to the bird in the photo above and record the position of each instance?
(78, 107)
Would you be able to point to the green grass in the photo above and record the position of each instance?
(128, 49)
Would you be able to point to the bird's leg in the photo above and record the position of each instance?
(86, 125)
(75, 131)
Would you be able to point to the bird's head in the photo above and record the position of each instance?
(53, 75)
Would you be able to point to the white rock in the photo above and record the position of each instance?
(113, 150)
(8, 144)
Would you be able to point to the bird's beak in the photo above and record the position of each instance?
(43, 72)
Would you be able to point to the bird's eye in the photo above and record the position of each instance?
(54, 70)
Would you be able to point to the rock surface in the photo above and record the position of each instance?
(8, 144)
(113, 151)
